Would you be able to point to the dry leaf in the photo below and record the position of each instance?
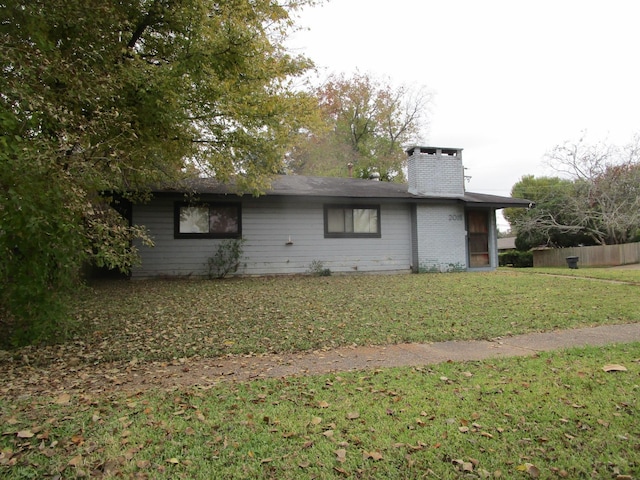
(375, 456)
(341, 455)
(316, 421)
(323, 404)
(530, 468)
(75, 461)
(353, 415)
(614, 368)
(63, 399)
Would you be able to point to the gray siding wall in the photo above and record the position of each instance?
(267, 226)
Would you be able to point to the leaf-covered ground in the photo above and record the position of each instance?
(64, 412)
(570, 414)
(163, 320)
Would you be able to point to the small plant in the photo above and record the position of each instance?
(316, 267)
(428, 269)
(226, 259)
(442, 268)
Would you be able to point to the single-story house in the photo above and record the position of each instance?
(344, 224)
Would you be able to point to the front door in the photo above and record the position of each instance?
(478, 239)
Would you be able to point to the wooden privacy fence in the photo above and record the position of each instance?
(595, 256)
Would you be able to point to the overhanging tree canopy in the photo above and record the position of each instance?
(106, 95)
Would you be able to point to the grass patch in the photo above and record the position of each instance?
(613, 274)
(163, 320)
(556, 415)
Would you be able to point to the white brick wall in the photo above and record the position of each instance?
(435, 174)
(441, 238)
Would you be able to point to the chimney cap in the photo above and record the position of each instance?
(452, 152)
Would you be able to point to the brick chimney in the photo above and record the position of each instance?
(435, 171)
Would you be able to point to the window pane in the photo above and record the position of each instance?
(223, 220)
(335, 220)
(194, 220)
(348, 220)
(365, 220)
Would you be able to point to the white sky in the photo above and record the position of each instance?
(511, 79)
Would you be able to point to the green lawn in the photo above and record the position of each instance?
(161, 320)
(555, 415)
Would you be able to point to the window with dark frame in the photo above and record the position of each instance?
(205, 220)
(352, 221)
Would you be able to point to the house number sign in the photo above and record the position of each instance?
(455, 218)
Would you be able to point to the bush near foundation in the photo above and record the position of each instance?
(515, 258)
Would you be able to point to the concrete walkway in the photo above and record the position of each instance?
(23, 380)
(211, 371)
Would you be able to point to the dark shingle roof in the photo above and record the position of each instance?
(348, 188)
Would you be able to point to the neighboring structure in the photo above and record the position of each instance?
(349, 225)
(506, 243)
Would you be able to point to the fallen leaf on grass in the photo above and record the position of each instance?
(353, 415)
(529, 468)
(25, 434)
(63, 399)
(341, 455)
(75, 461)
(341, 471)
(7, 458)
(173, 460)
(375, 456)
(614, 368)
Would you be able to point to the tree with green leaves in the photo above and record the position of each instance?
(99, 99)
(367, 122)
(548, 223)
(598, 205)
(606, 203)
